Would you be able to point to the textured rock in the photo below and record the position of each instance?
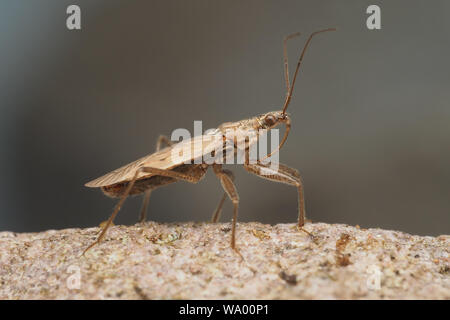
(194, 261)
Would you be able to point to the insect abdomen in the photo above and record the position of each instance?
(140, 186)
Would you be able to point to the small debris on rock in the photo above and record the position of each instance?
(289, 278)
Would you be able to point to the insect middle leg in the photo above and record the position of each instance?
(193, 176)
(230, 189)
(216, 215)
(143, 215)
(283, 174)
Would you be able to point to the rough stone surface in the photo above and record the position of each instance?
(194, 261)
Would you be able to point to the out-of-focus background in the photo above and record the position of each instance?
(371, 114)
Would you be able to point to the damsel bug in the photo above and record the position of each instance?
(159, 168)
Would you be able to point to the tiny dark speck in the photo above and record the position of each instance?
(226, 229)
(444, 270)
(289, 278)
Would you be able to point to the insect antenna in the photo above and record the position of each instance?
(286, 66)
(291, 88)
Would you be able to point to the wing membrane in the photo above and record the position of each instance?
(162, 159)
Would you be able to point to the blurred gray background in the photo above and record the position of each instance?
(371, 114)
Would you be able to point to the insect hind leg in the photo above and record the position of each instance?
(145, 201)
(162, 139)
(194, 175)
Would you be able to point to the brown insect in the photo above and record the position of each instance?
(159, 169)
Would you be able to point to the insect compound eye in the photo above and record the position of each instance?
(269, 120)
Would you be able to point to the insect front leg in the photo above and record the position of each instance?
(193, 176)
(143, 215)
(230, 189)
(218, 211)
(283, 174)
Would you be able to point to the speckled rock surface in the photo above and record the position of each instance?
(194, 261)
